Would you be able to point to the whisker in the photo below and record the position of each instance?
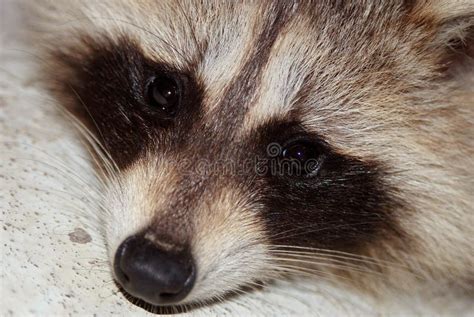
(102, 145)
(283, 235)
(78, 180)
(354, 258)
(83, 129)
(320, 274)
(313, 250)
(333, 264)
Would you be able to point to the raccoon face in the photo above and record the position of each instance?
(237, 138)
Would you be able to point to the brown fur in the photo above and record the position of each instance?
(379, 82)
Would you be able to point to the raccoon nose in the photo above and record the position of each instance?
(150, 273)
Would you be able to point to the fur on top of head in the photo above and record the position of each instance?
(378, 95)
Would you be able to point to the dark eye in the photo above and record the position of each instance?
(301, 158)
(164, 94)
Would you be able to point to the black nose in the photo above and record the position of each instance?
(158, 277)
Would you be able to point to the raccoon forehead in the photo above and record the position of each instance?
(222, 40)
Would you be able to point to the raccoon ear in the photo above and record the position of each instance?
(453, 40)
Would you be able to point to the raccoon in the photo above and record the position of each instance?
(241, 142)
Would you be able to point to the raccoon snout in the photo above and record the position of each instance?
(148, 272)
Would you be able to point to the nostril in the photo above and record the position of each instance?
(148, 272)
(120, 260)
(181, 287)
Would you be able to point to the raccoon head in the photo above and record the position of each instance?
(243, 141)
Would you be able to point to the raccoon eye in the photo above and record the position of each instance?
(164, 94)
(301, 158)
